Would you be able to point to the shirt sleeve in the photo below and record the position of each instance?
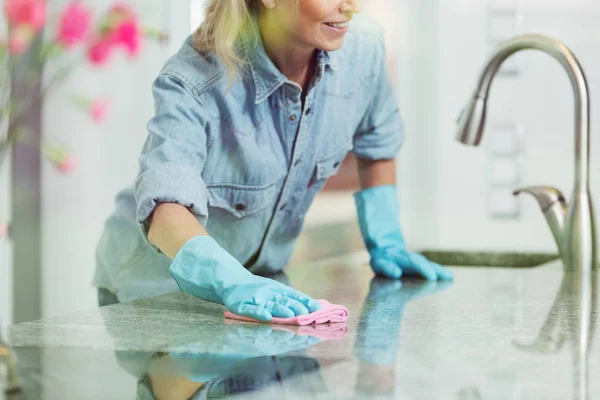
(381, 132)
(174, 154)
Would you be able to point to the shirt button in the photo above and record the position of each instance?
(292, 117)
(240, 207)
(296, 162)
(282, 207)
(308, 111)
(337, 164)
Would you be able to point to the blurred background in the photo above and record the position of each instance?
(452, 197)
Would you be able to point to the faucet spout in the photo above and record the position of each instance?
(576, 237)
(473, 120)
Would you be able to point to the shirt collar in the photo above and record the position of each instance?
(267, 78)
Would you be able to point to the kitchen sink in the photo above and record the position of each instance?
(327, 241)
(489, 259)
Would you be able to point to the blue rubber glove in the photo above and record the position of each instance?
(204, 269)
(379, 220)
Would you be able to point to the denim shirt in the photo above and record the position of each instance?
(248, 159)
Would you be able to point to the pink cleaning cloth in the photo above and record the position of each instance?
(336, 331)
(329, 313)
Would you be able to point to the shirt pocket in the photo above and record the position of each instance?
(325, 168)
(242, 200)
(329, 166)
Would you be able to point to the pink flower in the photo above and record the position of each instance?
(129, 35)
(119, 28)
(26, 12)
(4, 230)
(74, 24)
(60, 157)
(19, 39)
(99, 110)
(67, 164)
(122, 10)
(100, 51)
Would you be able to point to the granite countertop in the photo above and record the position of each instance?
(496, 333)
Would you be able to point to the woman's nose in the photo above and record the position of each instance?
(350, 6)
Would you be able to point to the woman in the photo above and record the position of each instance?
(258, 108)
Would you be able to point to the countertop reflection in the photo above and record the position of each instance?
(493, 334)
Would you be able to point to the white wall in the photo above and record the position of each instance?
(197, 11)
(76, 206)
(417, 52)
(445, 202)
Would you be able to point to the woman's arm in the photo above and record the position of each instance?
(171, 226)
(376, 173)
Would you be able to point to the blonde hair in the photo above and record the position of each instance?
(224, 22)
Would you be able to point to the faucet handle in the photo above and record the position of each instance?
(546, 196)
(553, 205)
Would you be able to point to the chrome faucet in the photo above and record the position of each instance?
(573, 226)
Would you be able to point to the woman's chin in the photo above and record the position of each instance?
(332, 45)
